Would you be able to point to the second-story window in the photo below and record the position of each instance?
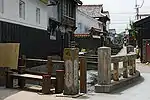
(67, 8)
(38, 15)
(22, 9)
(1, 6)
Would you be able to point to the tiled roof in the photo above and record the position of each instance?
(92, 10)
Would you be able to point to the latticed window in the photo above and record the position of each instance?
(67, 8)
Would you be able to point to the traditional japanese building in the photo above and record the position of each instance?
(42, 27)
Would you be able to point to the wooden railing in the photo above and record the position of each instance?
(49, 64)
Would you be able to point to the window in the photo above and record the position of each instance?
(68, 8)
(38, 15)
(1, 6)
(22, 9)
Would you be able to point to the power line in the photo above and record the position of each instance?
(123, 13)
(119, 20)
(142, 4)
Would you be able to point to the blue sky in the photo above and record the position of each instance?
(121, 11)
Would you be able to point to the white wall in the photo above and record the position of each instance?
(52, 12)
(11, 13)
(86, 21)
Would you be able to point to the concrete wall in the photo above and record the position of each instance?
(85, 22)
(11, 13)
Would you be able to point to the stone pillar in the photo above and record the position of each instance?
(71, 84)
(116, 72)
(130, 48)
(104, 65)
(134, 66)
(125, 72)
(131, 72)
(104, 70)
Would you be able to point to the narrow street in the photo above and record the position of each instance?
(136, 91)
(40, 41)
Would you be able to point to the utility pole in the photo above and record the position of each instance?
(137, 7)
(137, 10)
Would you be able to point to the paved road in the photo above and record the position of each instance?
(6, 92)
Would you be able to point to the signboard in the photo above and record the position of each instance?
(67, 54)
(9, 53)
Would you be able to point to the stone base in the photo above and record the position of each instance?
(117, 85)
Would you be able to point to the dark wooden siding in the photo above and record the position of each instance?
(143, 28)
(35, 43)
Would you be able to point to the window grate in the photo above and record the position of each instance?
(38, 15)
(22, 9)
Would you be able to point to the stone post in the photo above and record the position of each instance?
(116, 72)
(71, 84)
(125, 72)
(104, 69)
(130, 48)
(134, 66)
(104, 65)
(131, 72)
